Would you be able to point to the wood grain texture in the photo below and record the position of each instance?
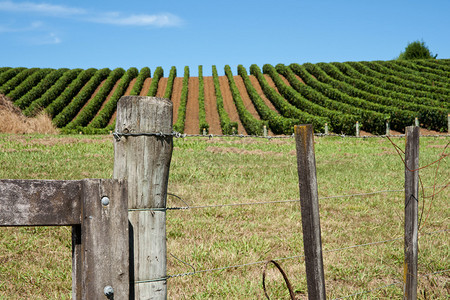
(309, 202)
(40, 202)
(411, 212)
(104, 240)
(144, 161)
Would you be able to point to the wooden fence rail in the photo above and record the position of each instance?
(97, 211)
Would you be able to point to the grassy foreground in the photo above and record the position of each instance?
(36, 262)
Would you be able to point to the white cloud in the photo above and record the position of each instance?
(31, 27)
(158, 20)
(113, 18)
(40, 8)
(46, 39)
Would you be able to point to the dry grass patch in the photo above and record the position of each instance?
(13, 121)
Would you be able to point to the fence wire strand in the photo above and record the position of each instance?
(117, 135)
(286, 201)
(293, 257)
(210, 136)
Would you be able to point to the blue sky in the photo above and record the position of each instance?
(84, 34)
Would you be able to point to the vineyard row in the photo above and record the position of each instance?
(336, 95)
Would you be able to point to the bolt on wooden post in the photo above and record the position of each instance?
(145, 161)
(309, 202)
(99, 228)
(411, 212)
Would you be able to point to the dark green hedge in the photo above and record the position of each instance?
(277, 123)
(69, 93)
(137, 87)
(8, 75)
(88, 112)
(52, 93)
(102, 119)
(201, 102)
(71, 110)
(170, 80)
(18, 78)
(285, 108)
(159, 72)
(225, 122)
(179, 124)
(37, 90)
(252, 125)
(341, 122)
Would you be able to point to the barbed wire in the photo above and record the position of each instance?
(118, 135)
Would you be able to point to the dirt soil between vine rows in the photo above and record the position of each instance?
(212, 116)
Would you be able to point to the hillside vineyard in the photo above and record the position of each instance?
(375, 94)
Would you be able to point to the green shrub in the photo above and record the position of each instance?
(170, 80)
(71, 110)
(137, 87)
(103, 117)
(70, 92)
(416, 50)
(9, 74)
(26, 85)
(95, 101)
(179, 124)
(201, 102)
(18, 78)
(252, 125)
(159, 72)
(37, 90)
(52, 93)
(277, 123)
(225, 122)
(341, 122)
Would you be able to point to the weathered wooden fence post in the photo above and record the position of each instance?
(309, 201)
(97, 211)
(144, 160)
(411, 212)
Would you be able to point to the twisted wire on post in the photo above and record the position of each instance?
(117, 135)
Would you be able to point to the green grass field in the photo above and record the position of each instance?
(36, 262)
